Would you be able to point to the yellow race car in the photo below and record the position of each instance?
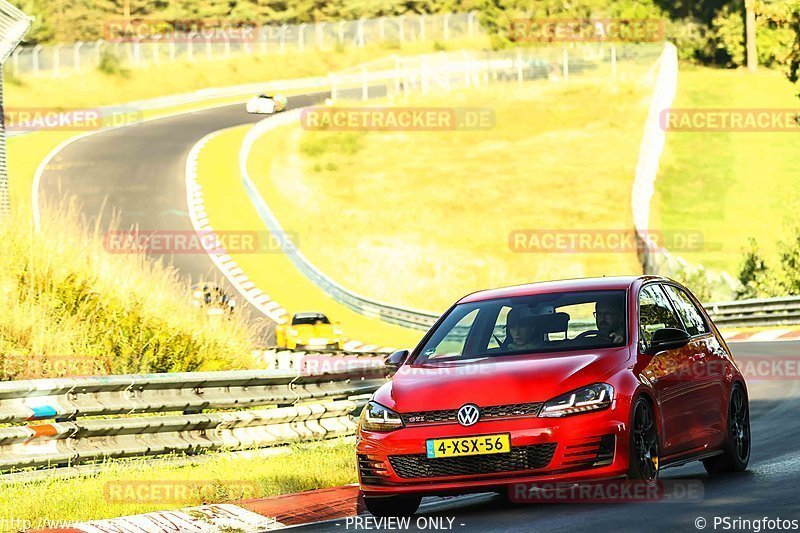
(310, 331)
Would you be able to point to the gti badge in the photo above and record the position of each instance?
(468, 414)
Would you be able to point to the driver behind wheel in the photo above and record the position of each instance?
(520, 331)
(609, 315)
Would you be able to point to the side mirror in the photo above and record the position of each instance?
(397, 359)
(667, 339)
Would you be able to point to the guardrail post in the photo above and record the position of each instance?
(334, 94)
(519, 66)
(301, 37)
(341, 32)
(446, 28)
(283, 38)
(209, 52)
(382, 28)
(565, 66)
(76, 55)
(137, 52)
(190, 47)
(227, 48)
(172, 50)
(360, 29)
(401, 27)
(98, 52)
(320, 28)
(422, 27)
(57, 60)
(471, 23)
(397, 64)
(35, 58)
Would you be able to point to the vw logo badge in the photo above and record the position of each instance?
(468, 414)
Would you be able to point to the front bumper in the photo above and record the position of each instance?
(585, 447)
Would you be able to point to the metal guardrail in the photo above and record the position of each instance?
(756, 312)
(305, 406)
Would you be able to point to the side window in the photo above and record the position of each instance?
(692, 317)
(453, 343)
(499, 331)
(655, 312)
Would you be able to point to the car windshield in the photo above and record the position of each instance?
(309, 319)
(550, 322)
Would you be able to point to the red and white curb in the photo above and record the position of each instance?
(764, 335)
(225, 264)
(246, 516)
(229, 268)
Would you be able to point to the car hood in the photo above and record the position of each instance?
(496, 381)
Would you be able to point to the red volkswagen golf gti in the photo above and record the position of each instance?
(561, 381)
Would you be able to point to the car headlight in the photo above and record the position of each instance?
(592, 398)
(375, 417)
(293, 331)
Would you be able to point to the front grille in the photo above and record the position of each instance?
(369, 471)
(594, 451)
(493, 411)
(519, 458)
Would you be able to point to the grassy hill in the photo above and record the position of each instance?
(420, 218)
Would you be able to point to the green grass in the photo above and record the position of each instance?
(229, 208)
(421, 218)
(95, 88)
(223, 478)
(65, 295)
(730, 186)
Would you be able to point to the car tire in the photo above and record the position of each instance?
(392, 505)
(736, 449)
(643, 462)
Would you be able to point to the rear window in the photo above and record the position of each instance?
(529, 324)
(309, 319)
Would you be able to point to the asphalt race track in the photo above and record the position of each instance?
(769, 488)
(137, 174)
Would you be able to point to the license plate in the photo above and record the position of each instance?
(318, 341)
(463, 446)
